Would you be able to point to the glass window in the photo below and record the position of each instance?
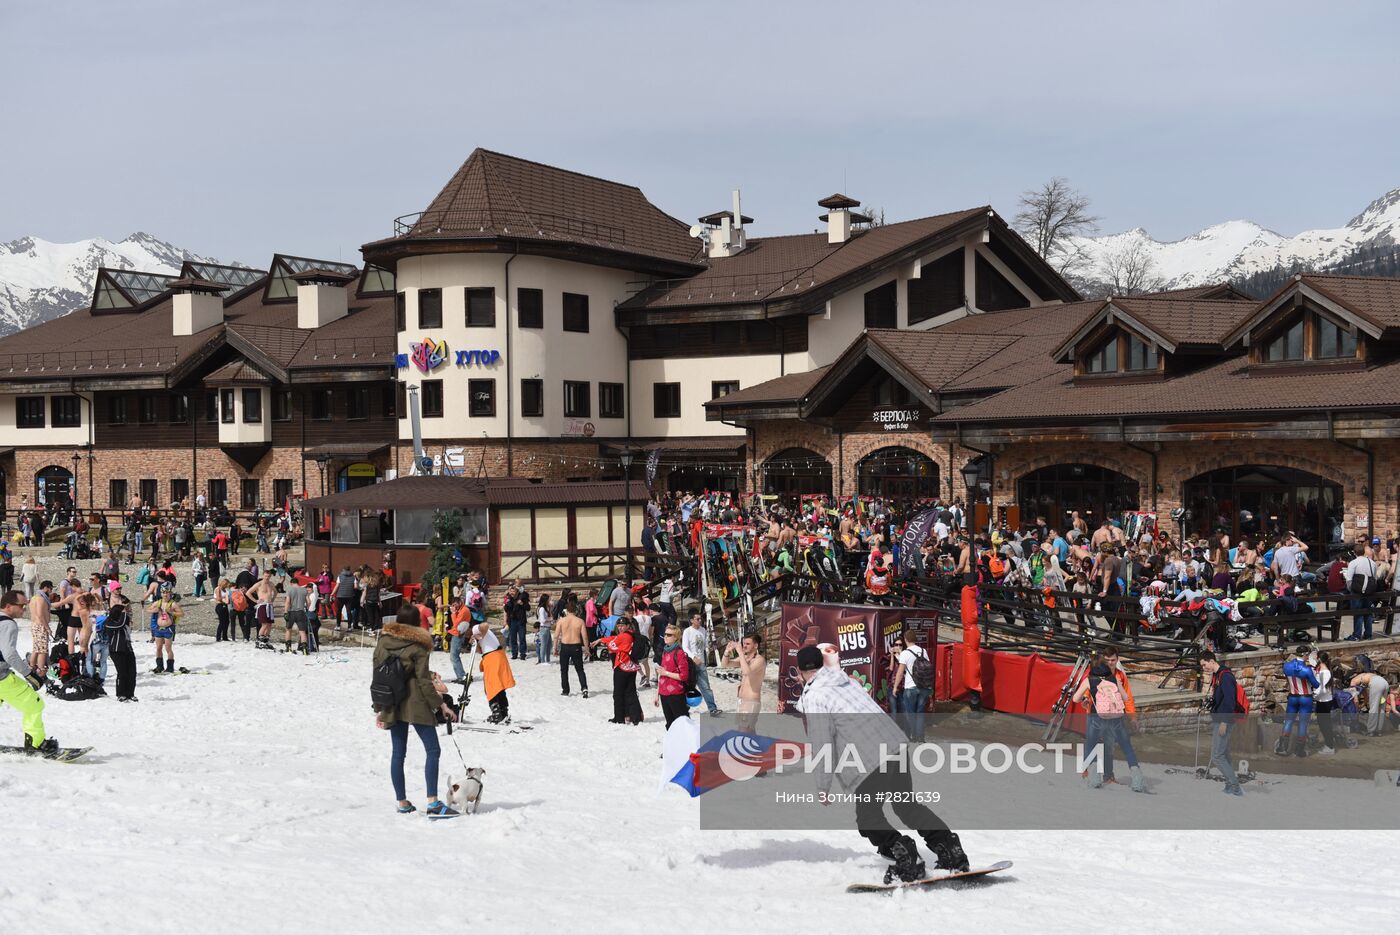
(413, 527)
(610, 405)
(67, 412)
(400, 313)
(532, 398)
(252, 406)
(179, 489)
(881, 307)
(148, 491)
(116, 495)
(1333, 340)
(529, 308)
(721, 388)
(320, 404)
(430, 308)
(357, 402)
(345, 526)
(481, 395)
(481, 308)
(218, 491)
(1286, 343)
(377, 280)
(225, 406)
(388, 402)
(475, 530)
(667, 400)
(116, 410)
(575, 312)
(179, 409)
(401, 398)
(281, 405)
(1105, 359)
(281, 285)
(146, 410)
(29, 412)
(1140, 354)
(890, 392)
(211, 407)
(432, 399)
(576, 399)
(250, 499)
(282, 492)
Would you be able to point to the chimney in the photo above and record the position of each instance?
(196, 305)
(839, 217)
(724, 230)
(322, 297)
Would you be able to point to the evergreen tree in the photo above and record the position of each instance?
(445, 551)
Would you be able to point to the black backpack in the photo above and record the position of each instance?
(641, 647)
(922, 669)
(389, 685)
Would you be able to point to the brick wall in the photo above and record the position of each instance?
(844, 452)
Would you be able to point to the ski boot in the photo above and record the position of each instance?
(907, 866)
(48, 749)
(1139, 784)
(1281, 746)
(1300, 747)
(947, 851)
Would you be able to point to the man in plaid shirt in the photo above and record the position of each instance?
(840, 714)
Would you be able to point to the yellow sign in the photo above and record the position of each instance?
(360, 469)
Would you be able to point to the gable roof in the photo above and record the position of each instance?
(1175, 322)
(493, 195)
(788, 388)
(1371, 303)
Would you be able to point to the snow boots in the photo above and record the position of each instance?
(1138, 784)
(1095, 779)
(48, 749)
(947, 851)
(1281, 746)
(1300, 747)
(907, 866)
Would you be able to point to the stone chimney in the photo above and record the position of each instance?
(196, 305)
(839, 217)
(323, 296)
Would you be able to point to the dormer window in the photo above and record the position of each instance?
(1307, 335)
(1124, 352)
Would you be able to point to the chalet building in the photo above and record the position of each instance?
(1256, 417)
(548, 325)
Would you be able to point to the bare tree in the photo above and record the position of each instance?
(1051, 217)
(1129, 270)
(877, 218)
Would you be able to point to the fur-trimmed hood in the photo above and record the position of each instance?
(409, 634)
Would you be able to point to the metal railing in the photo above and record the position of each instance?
(734, 286)
(101, 358)
(533, 223)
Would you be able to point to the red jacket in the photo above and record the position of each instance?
(621, 648)
(677, 661)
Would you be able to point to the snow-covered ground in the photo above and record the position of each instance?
(256, 798)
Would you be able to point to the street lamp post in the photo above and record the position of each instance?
(322, 460)
(73, 490)
(626, 458)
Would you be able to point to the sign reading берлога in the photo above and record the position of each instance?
(897, 420)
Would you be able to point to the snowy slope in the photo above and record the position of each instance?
(1240, 248)
(40, 280)
(256, 799)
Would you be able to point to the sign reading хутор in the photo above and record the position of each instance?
(428, 354)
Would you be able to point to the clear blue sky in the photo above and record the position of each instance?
(240, 128)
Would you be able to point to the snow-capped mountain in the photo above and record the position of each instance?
(40, 280)
(1237, 249)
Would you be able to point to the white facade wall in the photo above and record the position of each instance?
(550, 353)
(12, 436)
(696, 376)
(239, 432)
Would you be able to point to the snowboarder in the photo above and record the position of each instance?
(840, 713)
(19, 684)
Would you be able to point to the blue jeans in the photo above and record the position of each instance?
(543, 644)
(398, 733)
(455, 651)
(1110, 731)
(912, 704)
(702, 683)
(140, 541)
(515, 638)
(199, 585)
(97, 658)
(1361, 623)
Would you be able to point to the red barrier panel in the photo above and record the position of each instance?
(943, 672)
(1011, 677)
(1046, 682)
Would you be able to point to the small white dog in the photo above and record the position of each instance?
(465, 794)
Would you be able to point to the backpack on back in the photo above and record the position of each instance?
(238, 598)
(1108, 699)
(922, 669)
(388, 686)
(641, 648)
(605, 592)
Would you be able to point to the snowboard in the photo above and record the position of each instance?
(64, 754)
(928, 881)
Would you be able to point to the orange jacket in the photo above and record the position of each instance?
(1128, 704)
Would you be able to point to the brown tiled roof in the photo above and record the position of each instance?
(1228, 386)
(838, 200)
(1186, 321)
(1371, 297)
(437, 490)
(494, 195)
(361, 450)
(787, 388)
(517, 494)
(935, 357)
(772, 268)
(236, 371)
